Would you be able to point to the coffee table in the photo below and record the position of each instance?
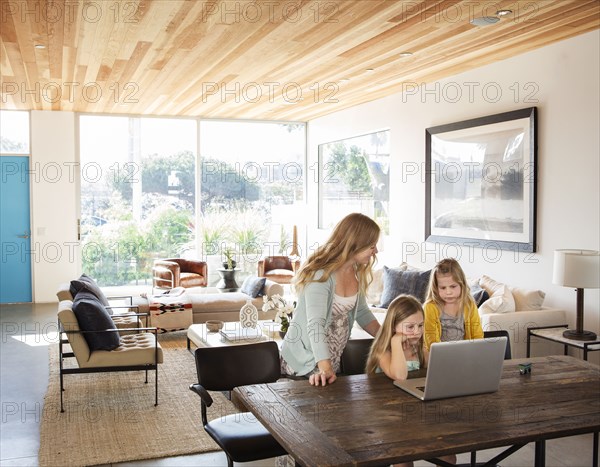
(201, 337)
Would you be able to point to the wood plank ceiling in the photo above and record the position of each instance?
(270, 59)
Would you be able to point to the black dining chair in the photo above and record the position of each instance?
(507, 356)
(500, 333)
(241, 436)
(354, 357)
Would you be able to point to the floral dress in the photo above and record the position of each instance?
(336, 334)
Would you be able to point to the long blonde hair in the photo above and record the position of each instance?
(452, 267)
(353, 234)
(401, 308)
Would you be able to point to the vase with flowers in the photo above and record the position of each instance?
(283, 311)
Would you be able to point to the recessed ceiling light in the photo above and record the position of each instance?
(503, 12)
(39, 46)
(405, 54)
(485, 21)
(370, 70)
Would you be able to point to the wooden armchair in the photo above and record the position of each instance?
(179, 272)
(280, 269)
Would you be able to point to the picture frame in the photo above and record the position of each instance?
(481, 182)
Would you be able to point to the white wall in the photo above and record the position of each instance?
(562, 80)
(54, 202)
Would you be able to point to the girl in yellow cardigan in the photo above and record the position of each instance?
(450, 311)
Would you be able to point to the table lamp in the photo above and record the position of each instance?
(579, 269)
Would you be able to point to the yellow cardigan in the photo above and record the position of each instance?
(433, 325)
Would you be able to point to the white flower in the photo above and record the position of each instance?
(276, 302)
(282, 309)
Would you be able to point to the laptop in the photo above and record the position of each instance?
(459, 368)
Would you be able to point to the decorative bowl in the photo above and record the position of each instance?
(214, 325)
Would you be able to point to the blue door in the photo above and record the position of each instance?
(15, 233)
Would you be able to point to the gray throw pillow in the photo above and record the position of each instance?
(254, 286)
(396, 282)
(91, 286)
(92, 316)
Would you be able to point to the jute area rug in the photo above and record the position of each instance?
(111, 417)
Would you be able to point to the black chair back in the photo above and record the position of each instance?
(224, 368)
(500, 333)
(354, 356)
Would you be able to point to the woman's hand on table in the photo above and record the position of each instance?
(324, 376)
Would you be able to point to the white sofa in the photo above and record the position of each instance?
(205, 306)
(515, 322)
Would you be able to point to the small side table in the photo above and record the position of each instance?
(227, 282)
(555, 334)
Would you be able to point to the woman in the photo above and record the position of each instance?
(331, 287)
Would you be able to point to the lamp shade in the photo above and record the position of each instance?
(577, 268)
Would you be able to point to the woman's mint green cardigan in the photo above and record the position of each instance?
(304, 344)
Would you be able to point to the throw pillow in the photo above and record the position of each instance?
(92, 316)
(397, 282)
(376, 288)
(253, 286)
(479, 295)
(91, 285)
(527, 299)
(501, 299)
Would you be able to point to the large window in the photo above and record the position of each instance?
(146, 194)
(14, 132)
(354, 176)
(252, 188)
(137, 194)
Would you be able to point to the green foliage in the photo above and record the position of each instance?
(122, 250)
(351, 167)
(248, 232)
(154, 176)
(222, 181)
(157, 169)
(167, 229)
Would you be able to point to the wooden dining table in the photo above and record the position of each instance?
(366, 420)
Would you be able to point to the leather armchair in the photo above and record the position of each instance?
(280, 269)
(179, 272)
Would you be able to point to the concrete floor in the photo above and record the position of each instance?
(28, 329)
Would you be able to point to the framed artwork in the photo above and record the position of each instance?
(480, 181)
(354, 176)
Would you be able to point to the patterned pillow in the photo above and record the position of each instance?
(254, 286)
(397, 282)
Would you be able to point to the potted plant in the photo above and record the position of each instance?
(284, 311)
(229, 262)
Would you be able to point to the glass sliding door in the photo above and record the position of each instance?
(137, 194)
